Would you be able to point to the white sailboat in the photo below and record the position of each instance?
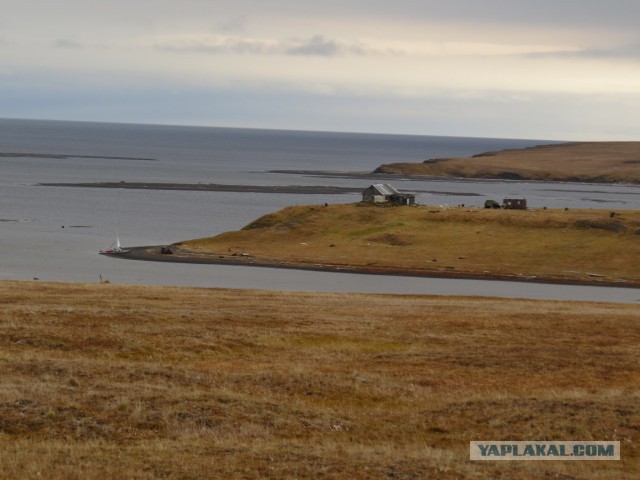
(115, 247)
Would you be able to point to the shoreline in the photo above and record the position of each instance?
(153, 254)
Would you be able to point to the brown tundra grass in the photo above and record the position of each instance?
(574, 245)
(108, 381)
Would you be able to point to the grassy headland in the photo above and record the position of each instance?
(555, 245)
(601, 162)
(106, 381)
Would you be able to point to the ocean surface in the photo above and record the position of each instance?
(54, 233)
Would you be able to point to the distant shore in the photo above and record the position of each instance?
(214, 187)
(583, 162)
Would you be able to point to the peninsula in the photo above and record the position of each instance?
(592, 162)
(578, 246)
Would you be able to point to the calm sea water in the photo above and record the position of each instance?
(53, 233)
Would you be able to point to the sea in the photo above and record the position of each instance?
(54, 233)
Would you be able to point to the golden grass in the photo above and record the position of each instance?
(107, 381)
(583, 162)
(568, 245)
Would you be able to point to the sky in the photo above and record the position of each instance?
(541, 69)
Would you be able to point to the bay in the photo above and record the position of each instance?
(54, 233)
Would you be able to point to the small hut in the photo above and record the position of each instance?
(385, 193)
(514, 203)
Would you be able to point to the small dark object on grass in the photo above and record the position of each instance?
(166, 251)
(612, 214)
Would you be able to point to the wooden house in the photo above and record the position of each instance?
(385, 193)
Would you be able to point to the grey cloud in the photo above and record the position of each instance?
(237, 46)
(321, 46)
(612, 14)
(317, 45)
(579, 14)
(105, 17)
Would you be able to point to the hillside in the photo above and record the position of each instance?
(556, 245)
(107, 381)
(600, 162)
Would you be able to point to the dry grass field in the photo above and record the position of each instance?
(576, 245)
(602, 162)
(106, 381)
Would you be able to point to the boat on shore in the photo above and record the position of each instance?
(115, 248)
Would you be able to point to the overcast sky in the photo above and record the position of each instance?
(561, 69)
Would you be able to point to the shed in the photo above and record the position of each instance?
(515, 203)
(386, 193)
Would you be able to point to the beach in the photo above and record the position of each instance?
(180, 255)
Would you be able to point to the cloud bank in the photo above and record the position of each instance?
(479, 67)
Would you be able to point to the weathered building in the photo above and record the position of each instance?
(385, 193)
